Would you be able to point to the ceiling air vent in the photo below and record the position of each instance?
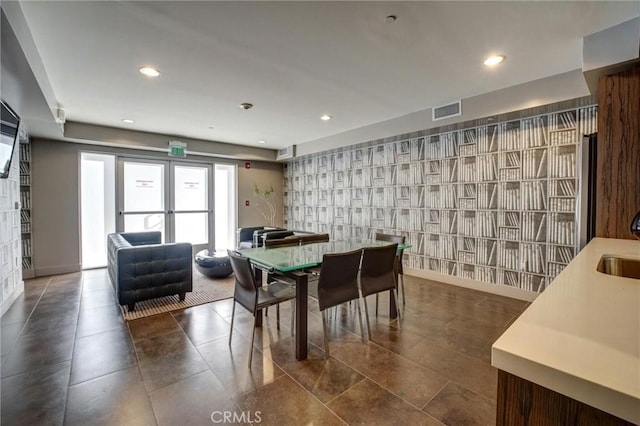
(286, 153)
(446, 111)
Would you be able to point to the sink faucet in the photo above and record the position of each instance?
(635, 226)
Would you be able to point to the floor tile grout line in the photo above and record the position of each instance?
(15, 339)
(436, 394)
(389, 390)
(73, 349)
(135, 351)
(286, 373)
(481, 308)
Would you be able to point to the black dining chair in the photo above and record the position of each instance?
(252, 296)
(314, 238)
(293, 240)
(399, 271)
(377, 274)
(337, 283)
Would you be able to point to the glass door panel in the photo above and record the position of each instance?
(138, 222)
(191, 188)
(143, 187)
(143, 197)
(192, 228)
(191, 204)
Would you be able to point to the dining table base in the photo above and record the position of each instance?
(301, 279)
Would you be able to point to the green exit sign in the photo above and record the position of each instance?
(177, 149)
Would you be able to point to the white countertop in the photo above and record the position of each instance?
(581, 336)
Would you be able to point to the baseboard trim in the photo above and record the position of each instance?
(57, 270)
(499, 289)
(17, 292)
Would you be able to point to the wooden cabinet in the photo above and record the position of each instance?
(618, 170)
(521, 402)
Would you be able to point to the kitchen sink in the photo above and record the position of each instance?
(619, 266)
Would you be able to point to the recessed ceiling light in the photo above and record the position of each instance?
(149, 72)
(128, 121)
(246, 105)
(325, 117)
(391, 18)
(262, 141)
(211, 127)
(494, 60)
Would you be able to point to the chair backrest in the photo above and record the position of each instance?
(280, 242)
(390, 237)
(313, 238)
(295, 240)
(273, 235)
(338, 281)
(377, 270)
(400, 239)
(245, 292)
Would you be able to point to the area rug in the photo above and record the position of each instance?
(205, 290)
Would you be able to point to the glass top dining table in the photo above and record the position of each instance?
(297, 257)
(291, 261)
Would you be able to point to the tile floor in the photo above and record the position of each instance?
(68, 357)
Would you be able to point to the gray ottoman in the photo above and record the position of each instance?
(214, 264)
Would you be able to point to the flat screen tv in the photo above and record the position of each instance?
(9, 123)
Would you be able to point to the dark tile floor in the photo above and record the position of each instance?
(68, 357)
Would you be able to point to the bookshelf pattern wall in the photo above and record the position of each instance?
(496, 203)
(25, 211)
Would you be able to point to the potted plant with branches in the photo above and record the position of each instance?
(267, 204)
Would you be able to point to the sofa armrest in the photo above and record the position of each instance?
(142, 238)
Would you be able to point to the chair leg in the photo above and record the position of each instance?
(395, 293)
(325, 332)
(404, 297)
(253, 334)
(233, 312)
(376, 304)
(366, 314)
(293, 315)
(360, 318)
(278, 316)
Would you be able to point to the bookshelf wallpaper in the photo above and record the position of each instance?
(496, 203)
(10, 236)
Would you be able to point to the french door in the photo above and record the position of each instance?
(167, 196)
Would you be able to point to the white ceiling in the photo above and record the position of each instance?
(296, 60)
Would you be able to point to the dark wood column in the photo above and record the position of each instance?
(618, 171)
